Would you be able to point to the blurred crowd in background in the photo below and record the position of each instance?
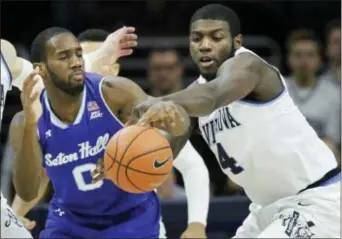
(303, 39)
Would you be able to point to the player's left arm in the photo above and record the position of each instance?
(236, 78)
(196, 180)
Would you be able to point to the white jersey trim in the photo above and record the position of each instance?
(54, 118)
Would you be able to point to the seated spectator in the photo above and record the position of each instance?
(316, 98)
(333, 52)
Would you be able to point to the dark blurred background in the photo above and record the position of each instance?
(269, 29)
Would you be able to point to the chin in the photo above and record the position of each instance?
(209, 74)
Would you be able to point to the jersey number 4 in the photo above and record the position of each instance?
(226, 161)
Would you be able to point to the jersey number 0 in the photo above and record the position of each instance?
(81, 183)
(226, 161)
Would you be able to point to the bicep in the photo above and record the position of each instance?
(122, 94)
(236, 78)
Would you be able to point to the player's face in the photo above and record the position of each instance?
(210, 44)
(165, 71)
(65, 64)
(304, 58)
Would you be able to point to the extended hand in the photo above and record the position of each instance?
(28, 224)
(164, 115)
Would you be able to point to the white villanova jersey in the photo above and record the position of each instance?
(5, 84)
(269, 149)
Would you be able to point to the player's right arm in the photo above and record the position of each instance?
(21, 208)
(27, 163)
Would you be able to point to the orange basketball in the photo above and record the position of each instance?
(138, 159)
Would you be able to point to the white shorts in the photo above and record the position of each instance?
(314, 213)
(11, 225)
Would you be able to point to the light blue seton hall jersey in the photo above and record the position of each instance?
(70, 153)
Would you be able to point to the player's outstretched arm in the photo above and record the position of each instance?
(123, 95)
(236, 78)
(23, 135)
(27, 161)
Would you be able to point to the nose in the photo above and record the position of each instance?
(205, 45)
(76, 62)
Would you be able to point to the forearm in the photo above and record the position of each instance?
(196, 180)
(198, 100)
(20, 207)
(27, 164)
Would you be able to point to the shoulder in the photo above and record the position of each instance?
(121, 90)
(118, 83)
(9, 53)
(244, 61)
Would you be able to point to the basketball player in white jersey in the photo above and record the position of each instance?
(11, 225)
(260, 138)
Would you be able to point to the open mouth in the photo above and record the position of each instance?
(206, 61)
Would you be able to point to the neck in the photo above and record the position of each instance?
(64, 106)
(308, 81)
(157, 93)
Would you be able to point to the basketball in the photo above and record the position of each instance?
(138, 159)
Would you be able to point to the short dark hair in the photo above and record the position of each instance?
(97, 35)
(39, 43)
(218, 12)
(333, 24)
(302, 35)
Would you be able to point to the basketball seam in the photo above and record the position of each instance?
(116, 149)
(124, 153)
(126, 171)
(137, 157)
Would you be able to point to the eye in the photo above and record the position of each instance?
(217, 38)
(62, 57)
(79, 54)
(195, 38)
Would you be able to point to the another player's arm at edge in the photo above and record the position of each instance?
(28, 172)
(236, 78)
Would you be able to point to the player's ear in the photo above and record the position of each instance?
(237, 41)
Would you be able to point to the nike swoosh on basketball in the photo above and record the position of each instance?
(158, 164)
